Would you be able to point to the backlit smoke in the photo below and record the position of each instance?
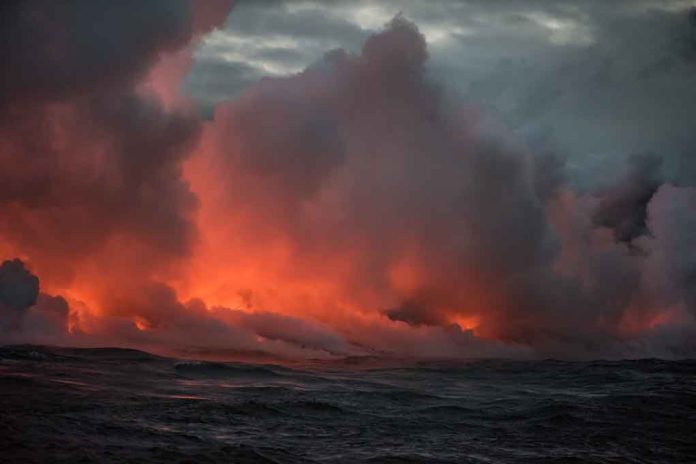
(353, 208)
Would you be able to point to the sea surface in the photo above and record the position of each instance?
(118, 405)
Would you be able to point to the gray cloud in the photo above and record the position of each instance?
(25, 313)
(56, 49)
(601, 80)
(19, 288)
(494, 225)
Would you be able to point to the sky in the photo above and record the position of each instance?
(298, 179)
(546, 69)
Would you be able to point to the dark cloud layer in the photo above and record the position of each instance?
(61, 49)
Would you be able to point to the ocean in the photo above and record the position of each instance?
(115, 405)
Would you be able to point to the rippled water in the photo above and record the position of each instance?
(112, 405)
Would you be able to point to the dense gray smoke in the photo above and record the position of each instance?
(18, 287)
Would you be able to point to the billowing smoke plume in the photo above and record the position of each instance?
(87, 160)
(371, 184)
(355, 207)
(91, 187)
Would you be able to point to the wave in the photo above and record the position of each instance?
(51, 353)
(314, 407)
(217, 370)
(477, 412)
(409, 459)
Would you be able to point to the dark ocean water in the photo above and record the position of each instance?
(113, 405)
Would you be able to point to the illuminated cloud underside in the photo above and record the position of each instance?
(464, 180)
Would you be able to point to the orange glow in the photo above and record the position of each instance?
(141, 324)
(336, 211)
(467, 323)
(636, 322)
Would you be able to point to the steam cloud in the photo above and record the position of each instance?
(18, 287)
(355, 207)
(23, 310)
